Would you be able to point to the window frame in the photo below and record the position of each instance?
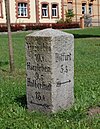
(44, 3)
(1, 15)
(27, 8)
(22, 9)
(57, 10)
(90, 7)
(84, 6)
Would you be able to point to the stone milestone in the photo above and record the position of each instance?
(50, 70)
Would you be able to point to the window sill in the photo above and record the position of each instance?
(54, 17)
(23, 17)
(45, 17)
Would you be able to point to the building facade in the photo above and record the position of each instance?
(32, 11)
(84, 7)
(49, 11)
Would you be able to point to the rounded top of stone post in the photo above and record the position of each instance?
(49, 32)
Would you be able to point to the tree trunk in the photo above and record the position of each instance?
(11, 55)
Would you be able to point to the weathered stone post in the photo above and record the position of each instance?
(50, 70)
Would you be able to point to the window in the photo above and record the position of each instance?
(54, 10)
(83, 8)
(44, 10)
(70, 7)
(90, 8)
(22, 10)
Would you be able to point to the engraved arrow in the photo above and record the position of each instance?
(43, 105)
(60, 83)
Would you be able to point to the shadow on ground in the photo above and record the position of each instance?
(21, 101)
(2, 63)
(86, 36)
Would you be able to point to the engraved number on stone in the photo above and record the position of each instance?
(39, 96)
(39, 77)
(64, 69)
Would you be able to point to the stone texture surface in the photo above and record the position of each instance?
(50, 70)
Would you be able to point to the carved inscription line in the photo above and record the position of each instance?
(62, 57)
(39, 85)
(39, 46)
(38, 67)
(60, 83)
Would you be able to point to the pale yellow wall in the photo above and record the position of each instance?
(50, 20)
(12, 11)
(3, 20)
(95, 12)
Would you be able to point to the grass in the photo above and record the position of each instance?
(13, 111)
(85, 33)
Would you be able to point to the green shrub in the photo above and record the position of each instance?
(68, 16)
(60, 21)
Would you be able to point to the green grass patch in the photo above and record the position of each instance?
(85, 33)
(13, 111)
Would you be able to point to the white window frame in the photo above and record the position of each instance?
(83, 8)
(90, 8)
(55, 10)
(22, 9)
(45, 10)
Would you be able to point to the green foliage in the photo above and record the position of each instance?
(85, 33)
(13, 111)
(60, 21)
(68, 16)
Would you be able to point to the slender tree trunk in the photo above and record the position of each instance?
(98, 13)
(11, 55)
(76, 9)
